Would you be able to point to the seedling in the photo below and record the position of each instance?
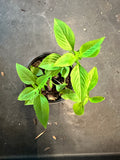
(82, 81)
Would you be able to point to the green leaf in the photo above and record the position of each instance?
(52, 73)
(66, 60)
(49, 61)
(41, 108)
(69, 94)
(91, 48)
(60, 87)
(29, 102)
(77, 54)
(25, 75)
(65, 72)
(27, 94)
(78, 108)
(79, 80)
(96, 99)
(41, 81)
(64, 35)
(36, 71)
(92, 78)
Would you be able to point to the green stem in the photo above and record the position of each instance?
(78, 62)
(40, 91)
(34, 86)
(73, 51)
(56, 81)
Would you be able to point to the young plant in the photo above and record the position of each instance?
(82, 81)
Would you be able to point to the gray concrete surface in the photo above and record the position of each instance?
(26, 31)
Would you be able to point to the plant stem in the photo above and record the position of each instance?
(34, 86)
(40, 91)
(78, 62)
(73, 51)
(56, 81)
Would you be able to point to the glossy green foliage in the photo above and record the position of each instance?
(41, 108)
(25, 75)
(27, 94)
(54, 65)
(60, 87)
(49, 61)
(92, 78)
(52, 73)
(36, 71)
(78, 108)
(96, 99)
(64, 35)
(41, 81)
(29, 102)
(91, 48)
(79, 80)
(69, 94)
(65, 72)
(66, 60)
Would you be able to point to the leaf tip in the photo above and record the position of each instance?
(18, 98)
(95, 68)
(103, 38)
(17, 65)
(55, 20)
(103, 98)
(45, 125)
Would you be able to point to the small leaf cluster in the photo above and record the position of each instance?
(82, 81)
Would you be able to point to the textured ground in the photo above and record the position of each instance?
(26, 31)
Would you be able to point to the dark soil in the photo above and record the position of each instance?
(51, 93)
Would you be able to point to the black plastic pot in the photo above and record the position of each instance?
(38, 58)
(41, 57)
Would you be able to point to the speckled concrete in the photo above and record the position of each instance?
(26, 31)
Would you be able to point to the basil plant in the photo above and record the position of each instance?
(82, 81)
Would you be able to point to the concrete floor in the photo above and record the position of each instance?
(26, 31)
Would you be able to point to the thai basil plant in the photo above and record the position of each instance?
(82, 81)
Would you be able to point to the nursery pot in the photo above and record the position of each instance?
(35, 62)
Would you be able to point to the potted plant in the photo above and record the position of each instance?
(55, 73)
